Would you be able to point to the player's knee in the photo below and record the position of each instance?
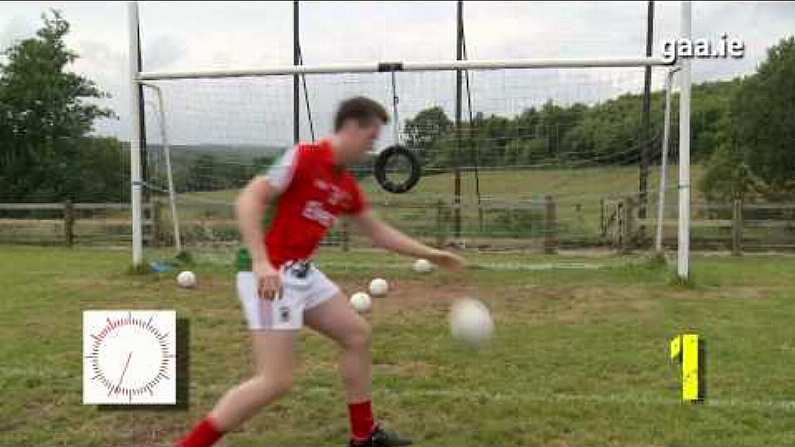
(275, 386)
(282, 385)
(359, 338)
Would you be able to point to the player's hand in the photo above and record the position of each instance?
(448, 260)
(269, 285)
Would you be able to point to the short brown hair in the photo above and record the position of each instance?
(361, 109)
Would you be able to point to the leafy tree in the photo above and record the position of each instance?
(762, 120)
(728, 177)
(104, 170)
(44, 116)
(750, 119)
(709, 112)
(757, 136)
(425, 129)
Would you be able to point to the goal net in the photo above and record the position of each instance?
(545, 158)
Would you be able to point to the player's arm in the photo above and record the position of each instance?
(390, 238)
(250, 207)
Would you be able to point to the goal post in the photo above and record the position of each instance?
(658, 239)
(136, 131)
(382, 67)
(171, 80)
(172, 201)
(683, 246)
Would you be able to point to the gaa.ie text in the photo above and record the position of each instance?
(702, 48)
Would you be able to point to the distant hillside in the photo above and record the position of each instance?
(219, 150)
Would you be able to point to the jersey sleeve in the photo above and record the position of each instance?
(282, 171)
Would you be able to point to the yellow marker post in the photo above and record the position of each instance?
(685, 347)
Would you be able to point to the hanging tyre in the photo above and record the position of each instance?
(397, 169)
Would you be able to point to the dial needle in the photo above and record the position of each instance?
(123, 371)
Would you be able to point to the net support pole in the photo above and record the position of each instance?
(645, 158)
(296, 80)
(458, 86)
(145, 194)
(172, 197)
(664, 162)
(683, 248)
(135, 137)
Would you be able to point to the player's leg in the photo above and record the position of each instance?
(273, 327)
(335, 319)
(274, 353)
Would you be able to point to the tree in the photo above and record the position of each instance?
(728, 177)
(424, 131)
(762, 113)
(709, 111)
(44, 116)
(606, 133)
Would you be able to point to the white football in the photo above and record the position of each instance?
(186, 279)
(470, 321)
(361, 302)
(423, 266)
(379, 287)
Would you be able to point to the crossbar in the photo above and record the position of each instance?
(376, 67)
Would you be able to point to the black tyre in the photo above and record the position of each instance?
(397, 169)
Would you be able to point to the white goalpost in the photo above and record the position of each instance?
(683, 247)
(135, 138)
(658, 239)
(163, 78)
(172, 200)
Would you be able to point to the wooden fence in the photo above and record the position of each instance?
(70, 223)
(433, 223)
(79, 223)
(735, 226)
(547, 225)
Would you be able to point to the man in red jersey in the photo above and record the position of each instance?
(285, 291)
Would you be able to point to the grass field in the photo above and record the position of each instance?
(567, 184)
(523, 184)
(579, 357)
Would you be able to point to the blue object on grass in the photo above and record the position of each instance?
(160, 267)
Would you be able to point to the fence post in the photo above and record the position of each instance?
(345, 235)
(602, 223)
(440, 221)
(550, 226)
(631, 237)
(620, 233)
(580, 219)
(480, 217)
(68, 222)
(154, 215)
(737, 228)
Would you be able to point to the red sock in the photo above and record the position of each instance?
(362, 424)
(204, 434)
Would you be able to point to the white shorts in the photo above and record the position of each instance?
(303, 287)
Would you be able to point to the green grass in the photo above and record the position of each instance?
(539, 182)
(514, 184)
(579, 356)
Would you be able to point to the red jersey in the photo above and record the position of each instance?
(313, 193)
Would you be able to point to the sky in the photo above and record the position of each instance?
(196, 36)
